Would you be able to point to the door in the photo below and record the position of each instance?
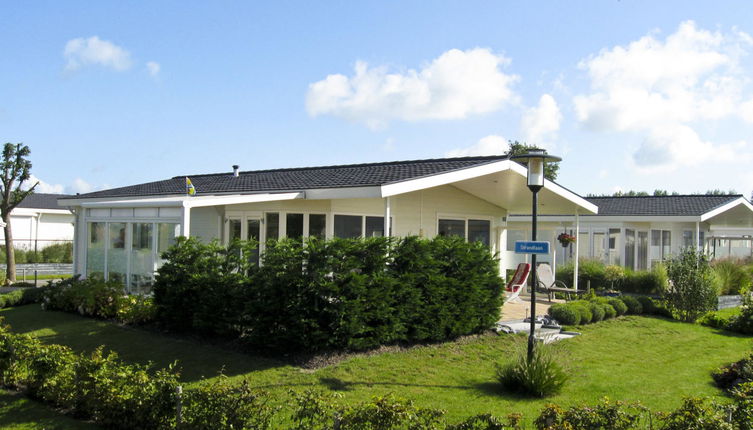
(641, 262)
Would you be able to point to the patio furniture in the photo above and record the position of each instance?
(549, 285)
(518, 281)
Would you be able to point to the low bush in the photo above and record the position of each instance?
(222, 405)
(95, 297)
(619, 306)
(585, 311)
(22, 297)
(645, 282)
(648, 304)
(731, 375)
(696, 413)
(634, 306)
(597, 310)
(609, 311)
(542, 376)
(564, 314)
(605, 415)
(589, 271)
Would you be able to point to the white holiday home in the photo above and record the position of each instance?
(121, 232)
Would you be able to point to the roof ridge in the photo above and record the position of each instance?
(675, 195)
(334, 166)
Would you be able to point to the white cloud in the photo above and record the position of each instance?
(455, 85)
(489, 145)
(80, 186)
(153, 68)
(82, 52)
(541, 123)
(661, 89)
(43, 186)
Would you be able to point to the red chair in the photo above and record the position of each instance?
(518, 281)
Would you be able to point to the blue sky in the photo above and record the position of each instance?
(632, 94)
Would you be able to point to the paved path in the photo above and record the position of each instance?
(522, 309)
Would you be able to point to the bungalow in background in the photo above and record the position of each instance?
(638, 232)
(121, 232)
(38, 222)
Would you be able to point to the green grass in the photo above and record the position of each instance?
(651, 360)
(728, 312)
(30, 276)
(18, 412)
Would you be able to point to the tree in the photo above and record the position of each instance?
(519, 148)
(15, 170)
(692, 291)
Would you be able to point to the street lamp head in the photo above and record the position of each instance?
(535, 160)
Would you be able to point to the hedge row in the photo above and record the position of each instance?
(611, 277)
(21, 297)
(98, 298)
(601, 308)
(341, 293)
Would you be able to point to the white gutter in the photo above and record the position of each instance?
(192, 202)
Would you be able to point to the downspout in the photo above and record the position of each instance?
(577, 255)
(698, 236)
(387, 216)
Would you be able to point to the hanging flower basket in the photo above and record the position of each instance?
(566, 239)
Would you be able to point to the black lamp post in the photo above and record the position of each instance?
(535, 160)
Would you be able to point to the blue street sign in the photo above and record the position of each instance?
(531, 247)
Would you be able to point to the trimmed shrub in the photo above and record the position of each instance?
(648, 304)
(634, 307)
(592, 271)
(564, 314)
(22, 297)
(584, 310)
(220, 405)
(619, 306)
(542, 376)
(597, 310)
(609, 311)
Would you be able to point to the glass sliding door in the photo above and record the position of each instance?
(599, 248)
(117, 260)
(253, 232)
(614, 252)
(95, 249)
(142, 257)
(642, 259)
(166, 234)
(234, 229)
(630, 248)
(273, 226)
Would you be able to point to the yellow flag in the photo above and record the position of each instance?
(190, 190)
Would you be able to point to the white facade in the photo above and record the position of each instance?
(39, 227)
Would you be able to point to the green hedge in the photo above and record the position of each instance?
(603, 277)
(601, 308)
(341, 293)
(56, 253)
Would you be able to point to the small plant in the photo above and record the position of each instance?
(648, 305)
(731, 276)
(605, 415)
(597, 311)
(619, 306)
(566, 239)
(541, 376)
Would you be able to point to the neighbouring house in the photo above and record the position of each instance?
(638, 232)
(121, 232)
(38, 222)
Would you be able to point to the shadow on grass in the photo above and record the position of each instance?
(196, 360)
(17, 411)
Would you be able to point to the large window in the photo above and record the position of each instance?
(687, 239)
(294, 225)
(630, 248)
(129, 252)
(348, 226)
(474, 230)
(273, 225)
(318, 225)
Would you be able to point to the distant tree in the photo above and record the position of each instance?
(518, 148)
(14, 171)
(718, 192)
(660, 193)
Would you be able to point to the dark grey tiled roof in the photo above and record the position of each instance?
(688, 205)
(354, 175)
(42, 201)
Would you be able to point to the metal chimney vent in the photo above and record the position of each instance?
(235, 170)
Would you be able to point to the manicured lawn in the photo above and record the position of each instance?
(651, 360)
(18, 412)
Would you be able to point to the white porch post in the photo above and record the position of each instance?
(387, 216)
(185, 221)
(577, 255)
